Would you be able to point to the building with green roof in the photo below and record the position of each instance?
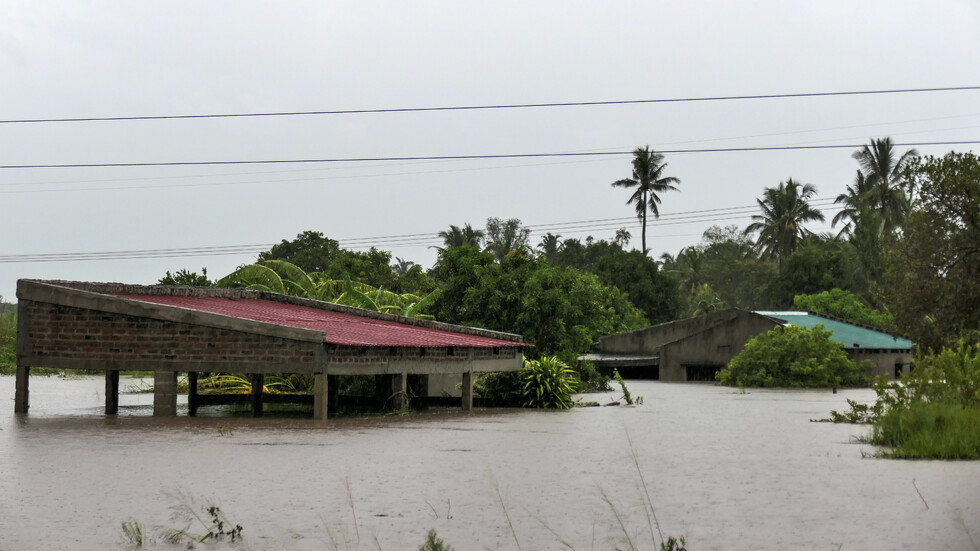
(695, 349)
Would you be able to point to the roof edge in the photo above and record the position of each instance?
(239, 294)
(54, 292)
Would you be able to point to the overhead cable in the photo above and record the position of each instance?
(489, 107)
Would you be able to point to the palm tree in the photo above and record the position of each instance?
(785, 209)
(459, 237)
(854, 202)
(883, 173)
(649, 180)
(550, 244)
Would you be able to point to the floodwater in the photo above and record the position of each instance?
(727, 470)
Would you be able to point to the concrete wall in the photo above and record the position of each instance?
(714, 346)
(885, 361)
(76, 338)
(646, 341)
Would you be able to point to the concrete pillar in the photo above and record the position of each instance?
(468, 391)
(258, 381)
(22, 389)
(192, 401)
(333, 393)
(111, 391)
(399, 391)
(321, 395)
(164, 393)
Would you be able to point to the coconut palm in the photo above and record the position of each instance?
(854, 202)
(785, 208)
(883, 173)
(550, 244)
(459, 237)
(649, 181)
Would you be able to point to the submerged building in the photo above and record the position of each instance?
(695, 349)
(175, 329)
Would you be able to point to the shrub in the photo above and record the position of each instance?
(501, 389)
(546, 383)
(793, 356)
(589, 378)
(933, 412)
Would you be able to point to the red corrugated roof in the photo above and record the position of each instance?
(340, 328)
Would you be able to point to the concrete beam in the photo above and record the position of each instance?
(111, 392)
(165, 394)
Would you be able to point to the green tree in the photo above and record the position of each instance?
(561, 311)
(550, 244)
(853, 201)
(843, 305)
(459, 237)
(793, 356)
(785, 208)
(184, 277)
(819, 265)
(883, 175)
(505, 236)
(649, 288)
(314, 253)
(931, 281)
(649, 181)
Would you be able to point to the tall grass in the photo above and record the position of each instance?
(8, 342)
(926, 430)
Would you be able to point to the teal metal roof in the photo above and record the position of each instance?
(850, 335)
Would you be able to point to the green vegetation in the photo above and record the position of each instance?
(184, 277)
(931, 275)
(649, 180)
(561, 311)
(932, 413)
(546, 383)
(793, 356)
(843, 305)
(785, 208)
(626, 392)
(8, 340)
(434, 543)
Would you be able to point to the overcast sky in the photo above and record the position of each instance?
(101, 59)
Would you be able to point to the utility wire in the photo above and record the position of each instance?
(488, 107)
(469, 157)
(420, 239)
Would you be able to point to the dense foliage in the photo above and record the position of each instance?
(314, 253)
(793, 356)
(843, 305)
(561, 311)
(931, 281)
(185, 277)
(933, 412)
(632, 272)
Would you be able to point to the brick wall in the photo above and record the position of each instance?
(67, 337)
(375, 354)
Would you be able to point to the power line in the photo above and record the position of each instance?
(419, 239)
(474, 157)
(490, 107)
(307, 170)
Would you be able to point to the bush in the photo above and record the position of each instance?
(793, 356)
(589, 378)
(546, 383)
(501, 389)
(933, 412)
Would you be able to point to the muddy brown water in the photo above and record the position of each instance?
(725, 469)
